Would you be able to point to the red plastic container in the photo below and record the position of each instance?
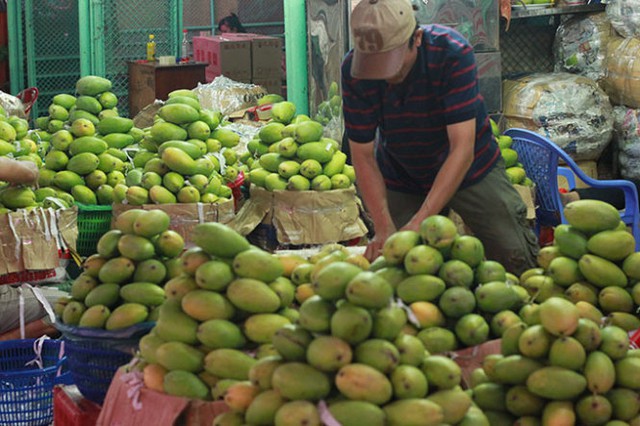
(236, 190)
(72, 409)
(634, 338)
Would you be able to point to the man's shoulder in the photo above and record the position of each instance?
(442, 35)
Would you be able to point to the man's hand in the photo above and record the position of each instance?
(412, 225)
(374, 248)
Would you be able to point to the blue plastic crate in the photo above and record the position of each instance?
(94, 355)
(26, 390)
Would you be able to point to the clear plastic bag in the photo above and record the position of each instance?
(227, 96)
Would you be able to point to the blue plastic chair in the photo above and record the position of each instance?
(541, 160)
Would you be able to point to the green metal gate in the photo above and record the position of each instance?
(121, 29)
(55, 42)
(44, 48)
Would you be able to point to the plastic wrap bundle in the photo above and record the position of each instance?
(626, 123)
(580, 45)
(12, 105)
(622, 72)
(624, 16)
(569, 109)
(227, 96)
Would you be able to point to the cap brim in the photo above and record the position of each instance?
(379, 65)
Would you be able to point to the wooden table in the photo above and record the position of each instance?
(149, 81)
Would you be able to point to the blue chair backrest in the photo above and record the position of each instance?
(540, 158)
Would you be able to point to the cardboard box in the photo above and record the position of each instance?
(128, 402)
(32, 240)
(184, 217)
(490, 79)
(266, 55)
(70, 408)
(590, 168)
(302, 217)
(471, 358)
(226, 56)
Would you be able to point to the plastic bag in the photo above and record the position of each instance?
(124, 340)
(624, 16)
(227, 96)
(12, 105)
(627, 138)
(571, 110)
(580, 45)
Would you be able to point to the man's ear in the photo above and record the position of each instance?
(417, 37)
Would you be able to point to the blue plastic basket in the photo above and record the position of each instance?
(94, 355)
(26, 391)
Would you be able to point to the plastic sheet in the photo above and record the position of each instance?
(624, 16)
(580, 45)
(627, 138)
(571, 110)
(622, 72)
(124, 339)
(227, 96)
(12, 105)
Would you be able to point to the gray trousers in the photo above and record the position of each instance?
(493, 210)
(33, 310)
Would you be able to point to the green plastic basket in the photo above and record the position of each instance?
(93, 222)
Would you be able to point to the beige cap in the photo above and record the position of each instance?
(381, 30)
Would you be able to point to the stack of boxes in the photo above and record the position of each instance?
(243, 57)
(479, 22)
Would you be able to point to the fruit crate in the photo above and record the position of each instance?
(93, 222)
(94, 355)
(70, 408)
(28, 373)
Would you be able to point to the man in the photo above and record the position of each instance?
(35, 316)
(420, 137)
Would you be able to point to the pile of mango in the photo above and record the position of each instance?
(350, 350)
(184, 157)
(561, 370)
(515, 170)
(592, 263)
(16, 141)
(83, 140)
(94, 102)
(227, 299)
(456, 298)
(123, 283)
(291, 153)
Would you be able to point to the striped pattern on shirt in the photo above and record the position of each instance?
(411, 118)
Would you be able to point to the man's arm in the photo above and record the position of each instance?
(462, 138)
(374, 194)
(15, 171)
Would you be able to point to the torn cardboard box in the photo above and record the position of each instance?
(130, 403)
(471, 358)
(303, 217)
(32, 240)
(184, 217)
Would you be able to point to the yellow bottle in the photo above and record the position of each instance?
(151, 49)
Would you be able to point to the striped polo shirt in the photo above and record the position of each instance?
(441, 89)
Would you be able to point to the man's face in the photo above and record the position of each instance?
(409, 59)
